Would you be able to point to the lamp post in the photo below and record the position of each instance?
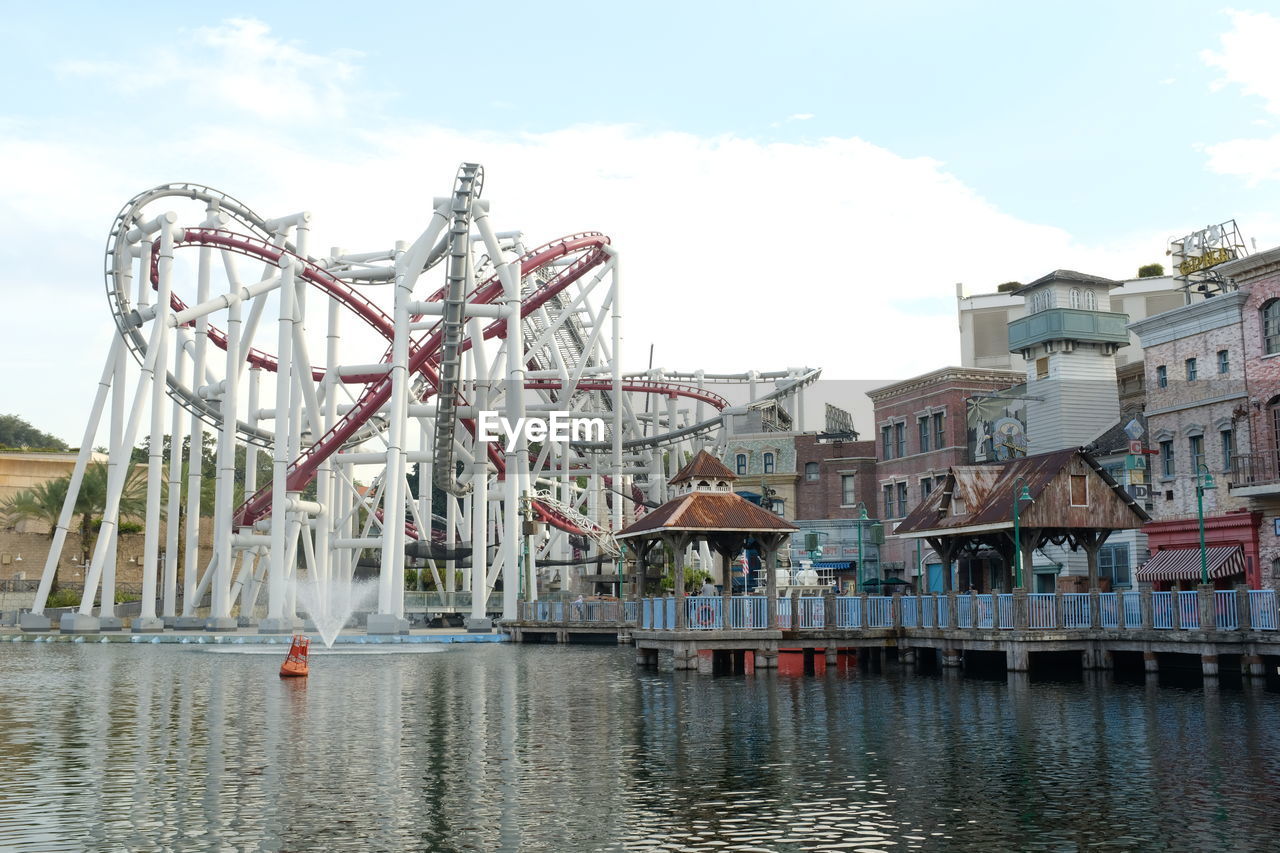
(1018, 498)
(862, 517)
(1204, 480)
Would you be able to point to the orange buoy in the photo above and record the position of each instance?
(295, 665)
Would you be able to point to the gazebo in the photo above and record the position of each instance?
(1073, 502)
(705, 508)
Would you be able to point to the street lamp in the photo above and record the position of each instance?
(862, 517)
(1018, 498)
(1204, 480)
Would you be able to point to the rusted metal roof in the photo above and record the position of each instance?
(704, 466)
(985, 494)
(706, 511)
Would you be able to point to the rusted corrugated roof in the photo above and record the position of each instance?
(987, 492)
(704, 466)
(705, 511)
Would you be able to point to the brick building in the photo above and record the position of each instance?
(921, 432)
(1198, 415)
(835, 475)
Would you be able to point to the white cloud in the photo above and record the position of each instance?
(1248, 59)
(239, 64)
(800, 117)
(736, 253)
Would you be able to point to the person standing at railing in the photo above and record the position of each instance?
(708, 588)
(579, 605)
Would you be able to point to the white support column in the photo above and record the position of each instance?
(220, 618)
(117, 456)
(36, 620)
(277, 622)
(480, 490)
(249, 590)
(172, 525)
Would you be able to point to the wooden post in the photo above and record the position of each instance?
(1146, 611)
(1244, 613)
(1208, 613)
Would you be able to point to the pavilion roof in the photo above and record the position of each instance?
(704, 466)
(707, 512)
(986, 493)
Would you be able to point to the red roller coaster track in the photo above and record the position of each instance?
(423, 353)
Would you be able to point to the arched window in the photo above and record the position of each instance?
(1091, 300)
(1075, 297)
(740, 461)
(1271, 327)
(768, 463)
(811, 471)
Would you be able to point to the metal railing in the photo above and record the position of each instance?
(1005, 610)
(1075, 610)
(1122, 611)
(1188, 609)
(1162, 610)
(1262, 610)
(1255, 469)
(1042, 610)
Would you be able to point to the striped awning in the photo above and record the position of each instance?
(833, 564)
(1183, 564)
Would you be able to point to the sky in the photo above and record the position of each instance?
(787, 184)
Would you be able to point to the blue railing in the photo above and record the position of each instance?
(910, 611)
(704, 612)
(1224, 610)
(1042, 610)
(812, 612)
(849, 611)
(748, 612)
(879, 611)
(1162, 610)
(1075, 610)
(1262, 610)
(1108, 608)
(1189, 609)
(1045, 611)
(1005, 610)
(1132, 609)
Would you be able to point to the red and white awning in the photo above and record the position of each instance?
(1183, 564)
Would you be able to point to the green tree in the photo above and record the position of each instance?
(1150, 270)
(44, 502)
(16, 432)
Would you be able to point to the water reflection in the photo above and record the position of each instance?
(507, 748)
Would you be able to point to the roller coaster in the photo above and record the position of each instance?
(194, 279)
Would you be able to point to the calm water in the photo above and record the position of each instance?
(542, 748)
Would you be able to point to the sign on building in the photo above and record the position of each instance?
(997, 425)
(1195, 255)
(839, 422)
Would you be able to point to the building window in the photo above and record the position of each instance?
(1228, 448)
(926, 488)
(1191, 370)
(848, 493)
(768, 463)
(1113, 564)
(1079, 490)
(902, 499)
(740, 461)
(1196, 445)
(1271, 327)
(1042, 367)
(811, 472)
(886, 437)
(1224, 361)
(1162, 377)
(900, 439)
(939, 421)
(1166, 458)
(888, 501)
(1075, 297)
(1090, 300)
(923, 423)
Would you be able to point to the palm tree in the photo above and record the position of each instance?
(44, 502)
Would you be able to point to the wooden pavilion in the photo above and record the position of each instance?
(705, 508)
(1074, 502)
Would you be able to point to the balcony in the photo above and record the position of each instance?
(1255, 475)
(1059, 324)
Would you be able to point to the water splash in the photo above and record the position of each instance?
(331, 603)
